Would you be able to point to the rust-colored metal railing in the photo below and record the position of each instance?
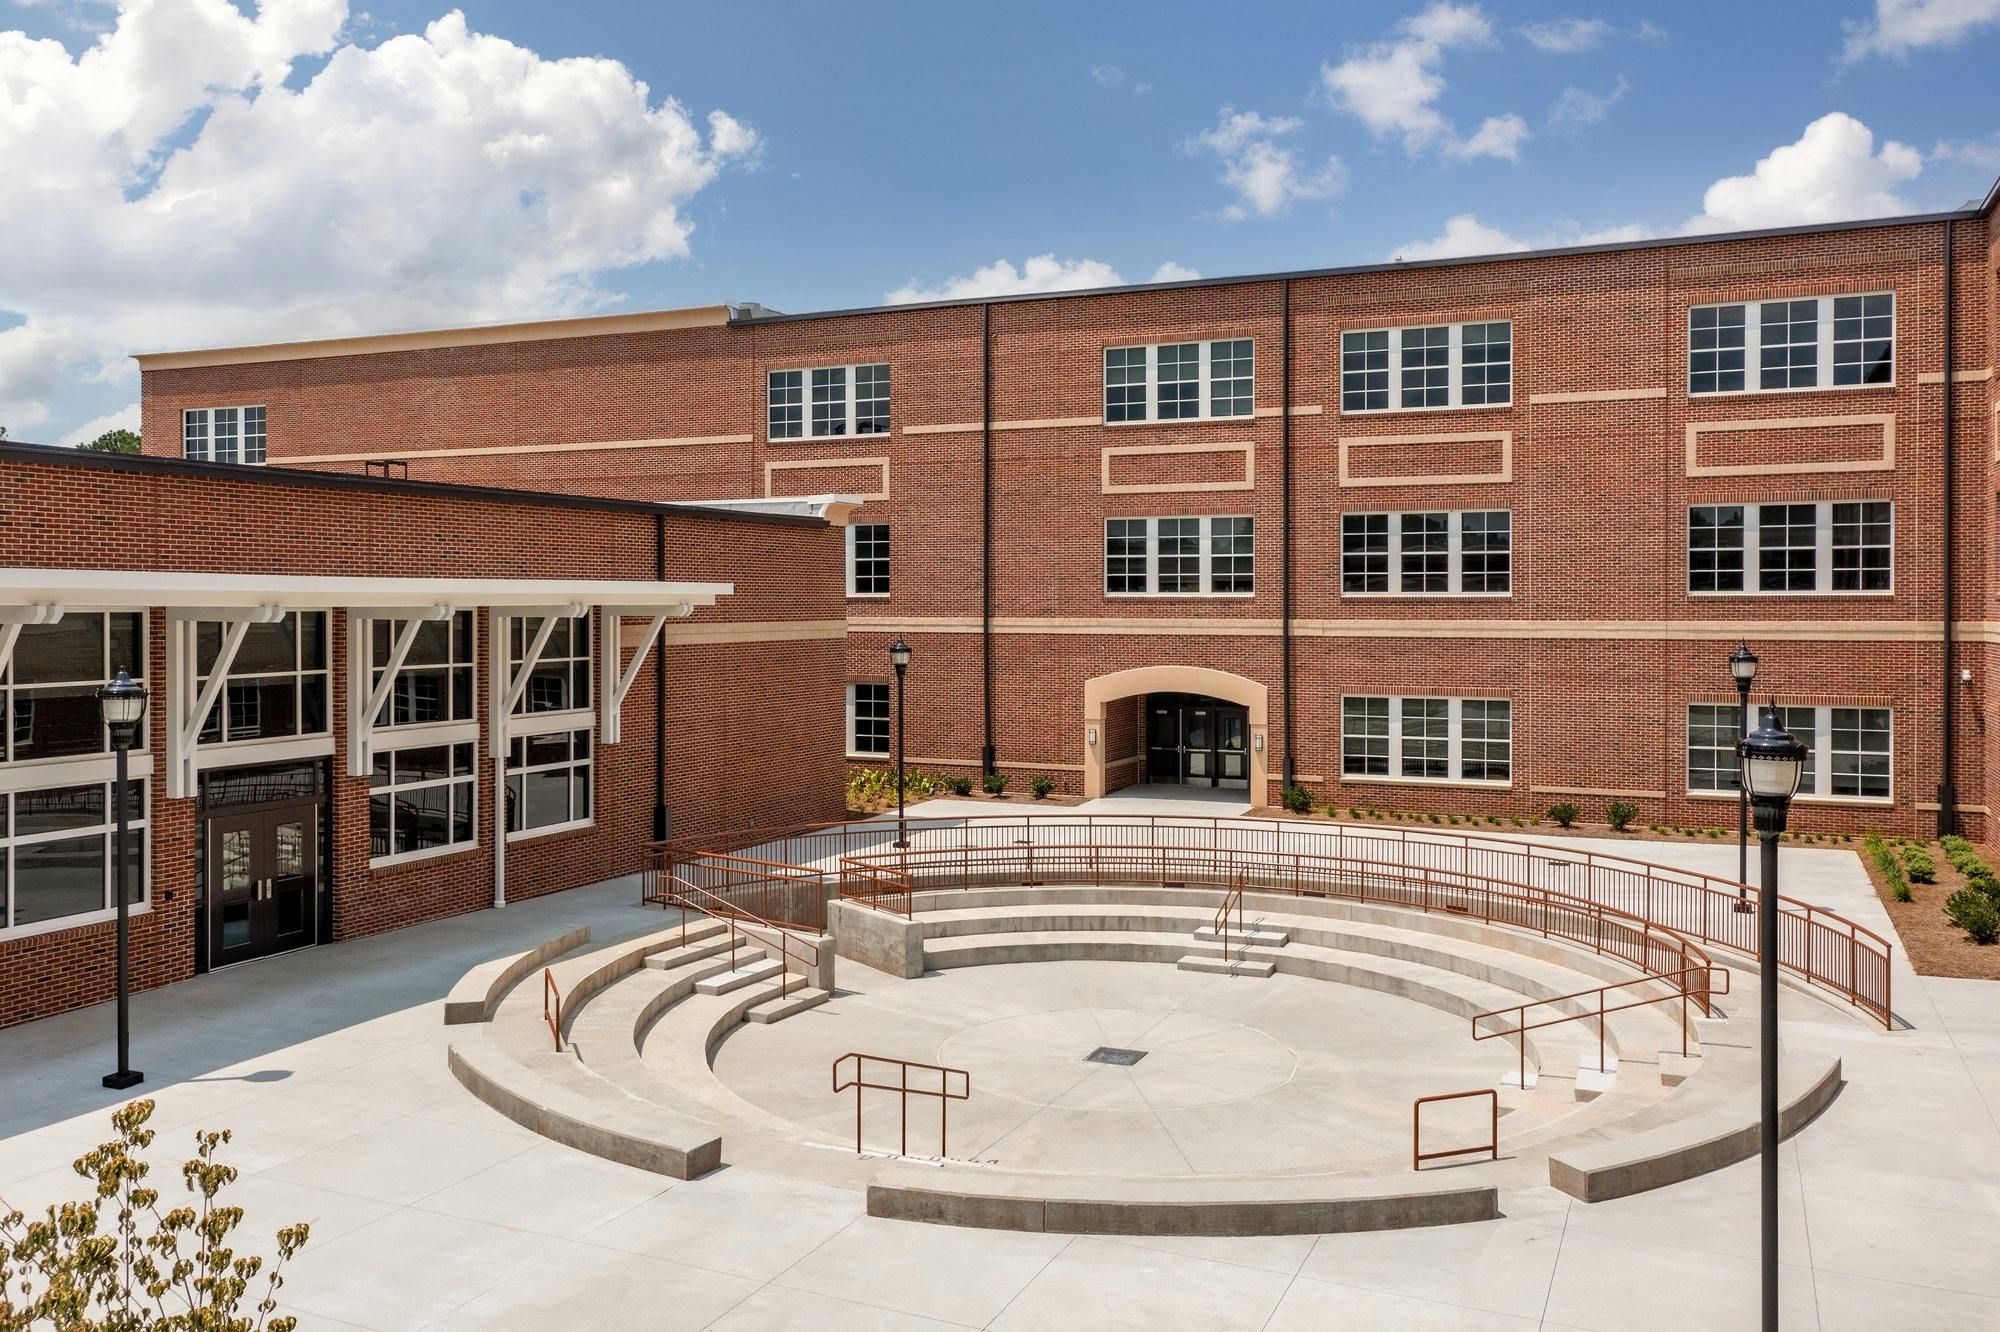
(1694, 985)
(552, 1006)
(743, 926)
(1491, 1146)
(883, 887)
(1426, 868)
(944, 1093)
(1232, 898)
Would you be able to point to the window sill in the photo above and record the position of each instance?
(548, 723)
(423, 733)
(72, 770)
(531, 834)
(1180, 596)
(853, 757)
(1477, 783)
(428, 853)
(276, 749)
(1245, 419)
(1426, 596)
(88, 918)
(1692, 396)
(1871, 802)
(865, 438)
(867, 596)
(1706, 596)
(1417, 411)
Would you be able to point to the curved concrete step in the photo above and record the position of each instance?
(478, 992)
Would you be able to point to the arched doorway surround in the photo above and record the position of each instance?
(1098, 693)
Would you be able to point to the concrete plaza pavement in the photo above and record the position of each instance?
(429, 1210)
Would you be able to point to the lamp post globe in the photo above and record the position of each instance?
(122, 705)
(899, 657)
(1743, 670)
(1770, 762)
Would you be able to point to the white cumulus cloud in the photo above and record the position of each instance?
(1832, 173)
(1462, 235)
(1902, 26)
(167, 187)
(1566, 36)
(1042, 272)
(1266, 176)
(1173, 272)
(1578, 107)
(1393, 87)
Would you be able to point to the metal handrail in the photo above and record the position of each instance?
(1234, 897)
(1684, 992)
(944, 1094)
(552, 995)
(883, 887)
(1822, 947)
(687, 896)
(1491, 1146)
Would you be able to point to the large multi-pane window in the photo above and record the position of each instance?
(1179, 556)
(424, 798)
(1804, 343)
(1437, 365)
(827, 402)
(223, 434)
(1427, 739)
(1850, 750)
(48, 693)
(1825, 546)
(1180, 381)
(435, 684)
(868, 719)
(868, 560)
(548, 781)
(277, 681)
(560, 681)
(1426, 554)
(57, 854)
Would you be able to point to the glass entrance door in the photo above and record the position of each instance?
(263, 880)
(1197, 741)
(1232, 756)
(1198, 749)
(1163, 742)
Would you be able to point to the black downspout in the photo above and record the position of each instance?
(1291, 770)
(988, 755)
(660, 824)
(1947, 794)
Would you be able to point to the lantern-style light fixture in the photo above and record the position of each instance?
(899, 655)
(123, 703)
(1770, 761)
(1743, 665)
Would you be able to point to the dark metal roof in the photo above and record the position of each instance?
(1967, 213)
(151, 465)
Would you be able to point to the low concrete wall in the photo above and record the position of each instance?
(876, 939)
(477, 993)
(1181, 1209)
(820, 977)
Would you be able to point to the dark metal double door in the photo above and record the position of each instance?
(263, 880)
(1197, 742)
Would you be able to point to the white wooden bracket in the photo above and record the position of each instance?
(361, 683)
(13, 618)
(188, 711)
(614, 683)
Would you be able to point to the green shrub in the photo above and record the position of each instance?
(959, 785)
(1890, 867)
(1297, 800)
(1564, 814)
(1517, 820)
(995, 783)
(1042, 787)
(1620, 815)
(1974, 912)
(1922, 868)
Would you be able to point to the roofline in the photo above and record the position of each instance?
(277, 475)
(475, 335)
(1964, 214)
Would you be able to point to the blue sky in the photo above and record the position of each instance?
(866, 151)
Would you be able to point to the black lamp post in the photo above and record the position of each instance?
(1743, 667)
(899, 657)
(1770, 761)
(123, 704)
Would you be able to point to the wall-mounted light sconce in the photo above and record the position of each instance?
(1258, 742)
(1093, 737)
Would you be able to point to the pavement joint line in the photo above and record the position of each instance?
(1027, 1285)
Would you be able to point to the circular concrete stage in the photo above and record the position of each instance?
(1214, 1075)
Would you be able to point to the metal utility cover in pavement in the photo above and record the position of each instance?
(1105, 1054)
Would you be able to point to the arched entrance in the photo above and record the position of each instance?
(1104, 690)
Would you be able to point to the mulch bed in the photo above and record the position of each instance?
(1935, 945)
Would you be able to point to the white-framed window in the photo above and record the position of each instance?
(1179, 556)
(1431, 366)
(1850, 758)
(223, 434)
(277, 685)
(1427, 739)
(57, 856)
(48, 693)
(548, 782)
(436, 682)
(1825, 546)
(1801, 343)
(828, 402)
(1465, 552)
(560, 681)
(423, 800)
(868, 559)
(868, 720)
(1180, 381)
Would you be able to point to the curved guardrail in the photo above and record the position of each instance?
(1407, 866)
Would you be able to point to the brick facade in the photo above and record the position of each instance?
(1598, 455)
(725, 690)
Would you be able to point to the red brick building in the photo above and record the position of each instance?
(354, 680)
(1467, 535)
